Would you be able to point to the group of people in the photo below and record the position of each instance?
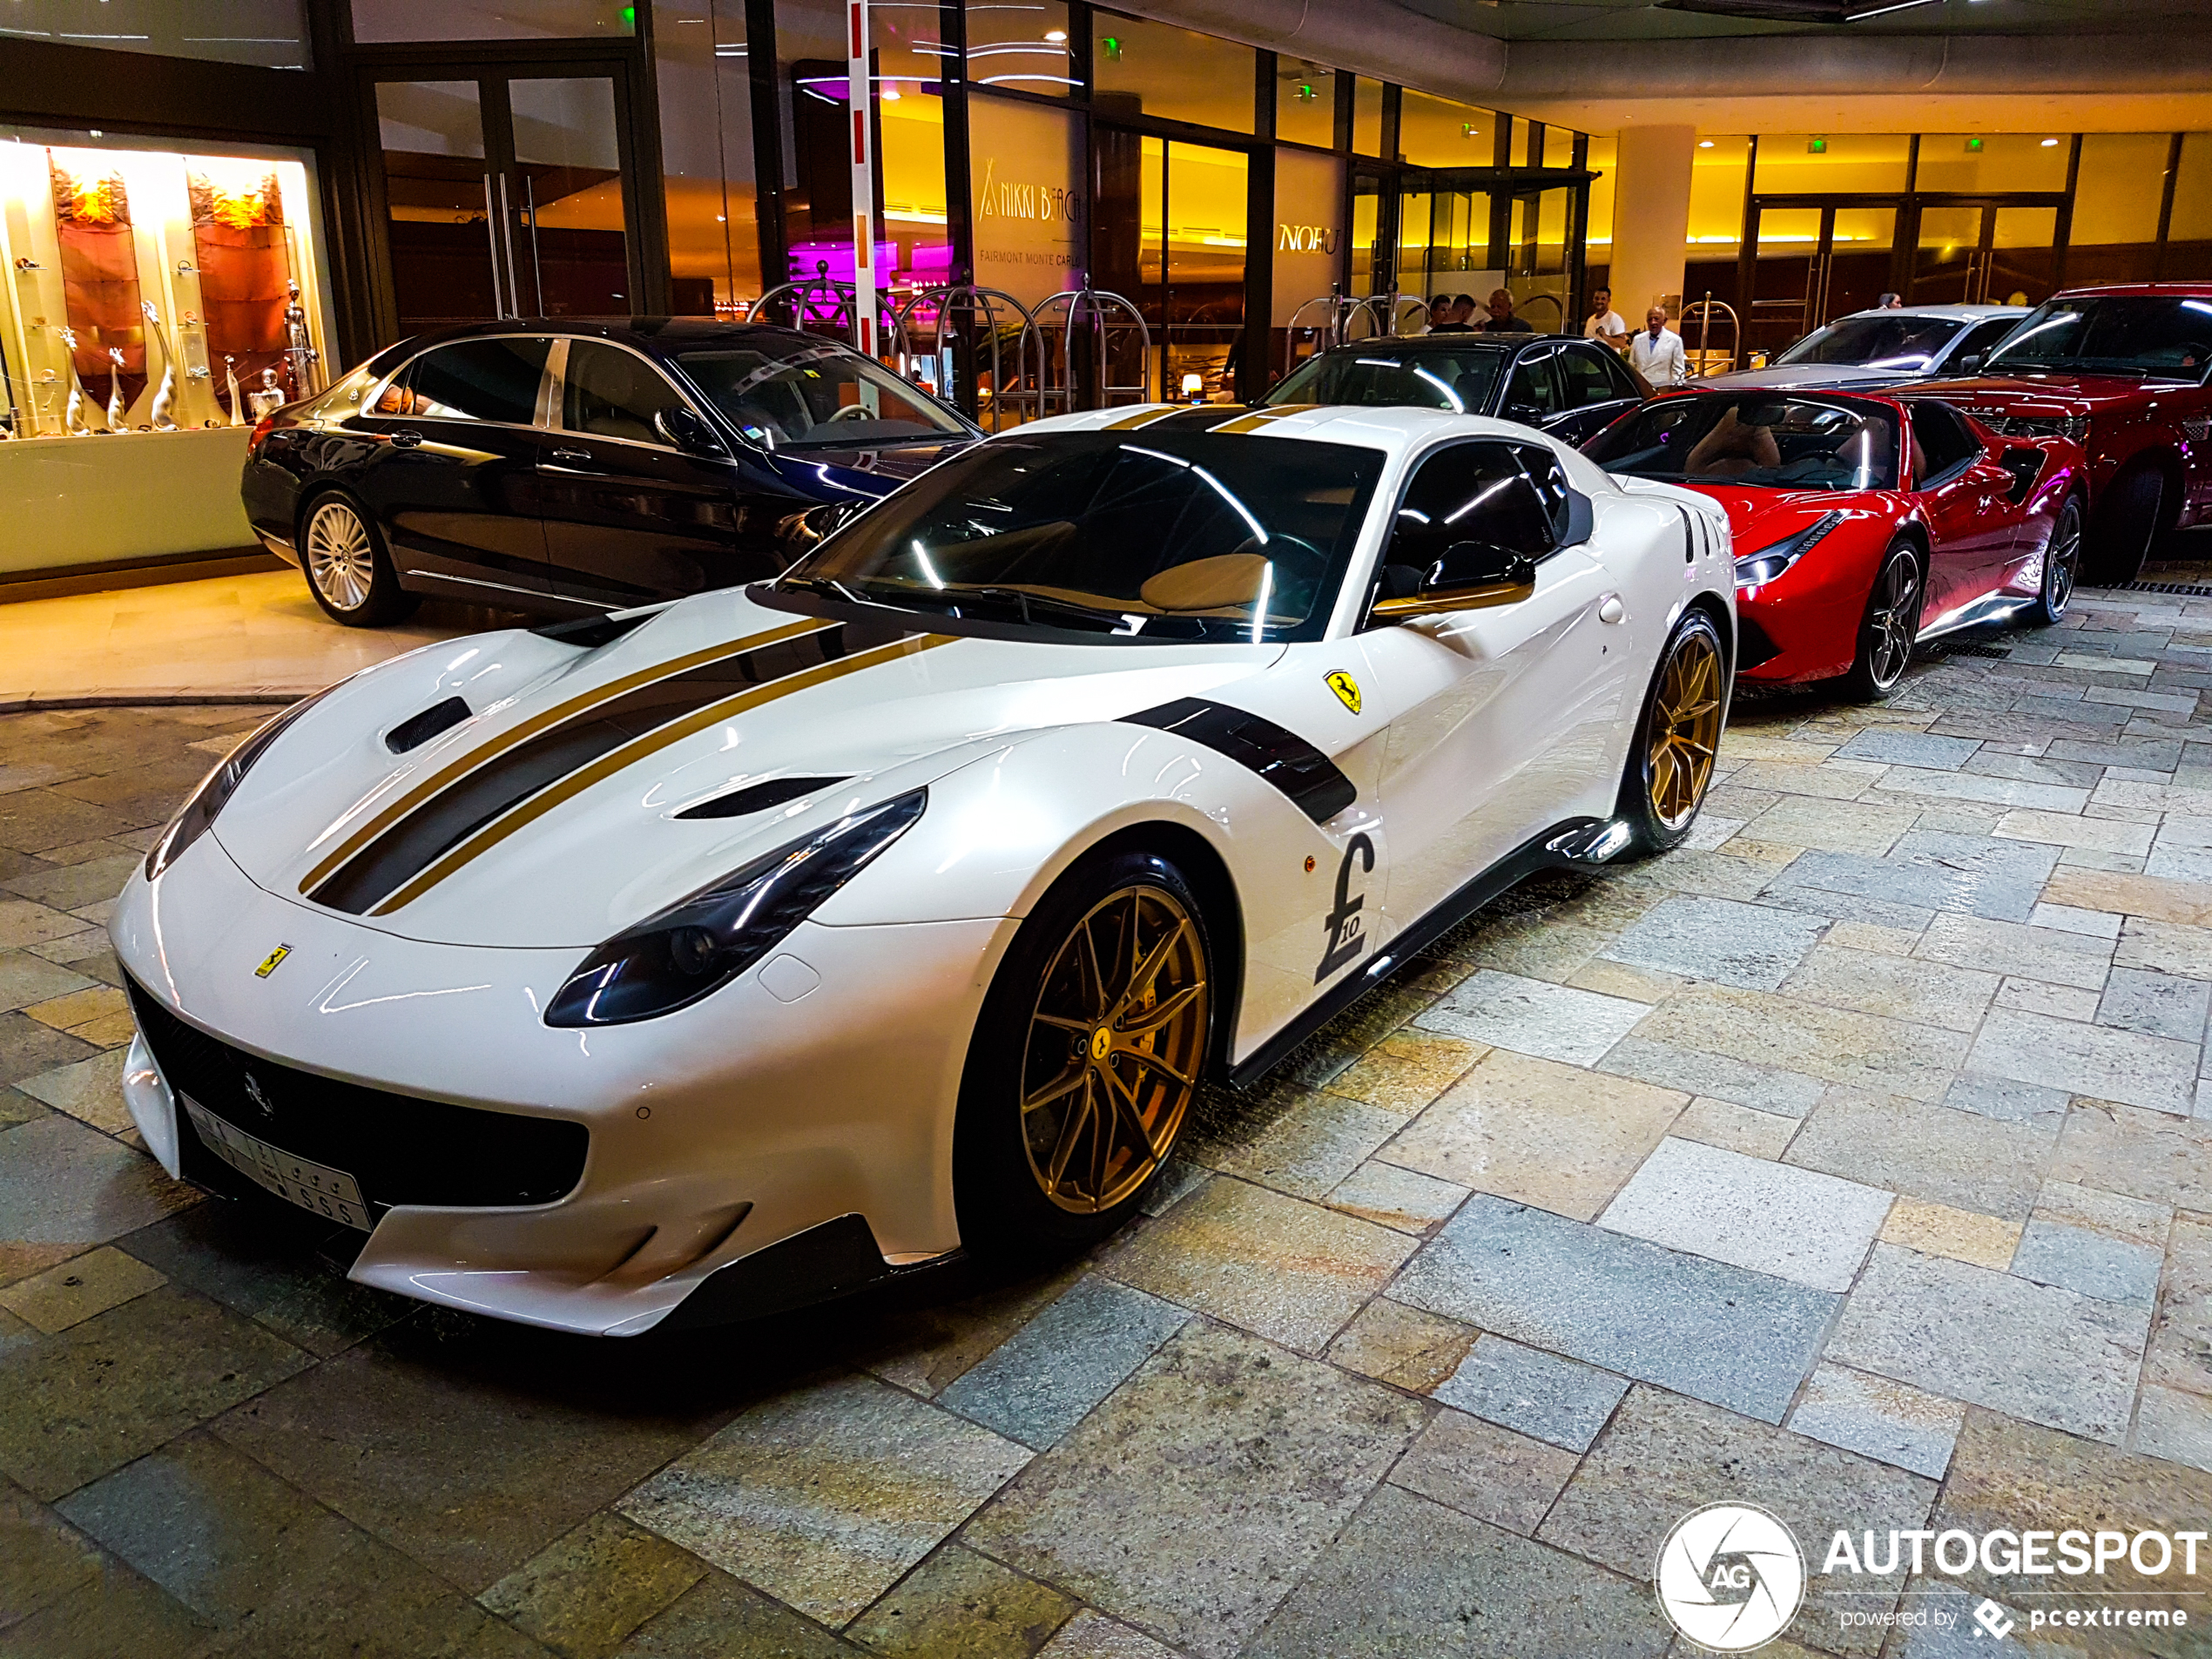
(1654, 351)
(1454, 314)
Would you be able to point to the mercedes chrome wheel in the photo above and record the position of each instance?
(1092, 1043)
(1671, 766)
(1892, 625)
(347, 569)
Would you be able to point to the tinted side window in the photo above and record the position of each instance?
(479, 379)
(1983, 337)
(610, 393)
(1532, 386)
(1507, 495)
(1585, 378)
(1941, 442)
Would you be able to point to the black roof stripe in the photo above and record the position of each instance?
(1281, 757)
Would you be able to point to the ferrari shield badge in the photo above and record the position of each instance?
(1346, 688)
(269, 962)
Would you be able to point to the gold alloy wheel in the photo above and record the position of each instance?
(341, 563)
(1685, 729)
(1116, 1041)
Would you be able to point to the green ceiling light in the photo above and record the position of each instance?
(629, 18)
(1305, 92)
(1113, 47)
(1816, 146)
(1467, 129)
(1973, 146)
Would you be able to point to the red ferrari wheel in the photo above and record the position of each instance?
(2061, 562)
(1891, 626)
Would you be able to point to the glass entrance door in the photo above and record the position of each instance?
(1818, 260)
(504, 197)
(1985, 253)
(1168, 232)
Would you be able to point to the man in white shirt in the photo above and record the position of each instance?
(1656, 354)
(1604, 321)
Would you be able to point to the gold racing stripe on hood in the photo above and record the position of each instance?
(545, 720)
(1259, 418)
(1142, 418)
(651, 743)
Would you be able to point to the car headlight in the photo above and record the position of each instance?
(1754, 568)
(698, 945)
(198, 811)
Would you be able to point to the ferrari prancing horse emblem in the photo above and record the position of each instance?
(1346, 688)
(269, 963)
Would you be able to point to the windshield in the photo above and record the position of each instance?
(1163, 535)
(2124, 333)
(1884, 340)
(1760, 440)
(815, 397)
(1457, 380)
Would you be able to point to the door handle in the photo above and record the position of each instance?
(573, 457)
(406, 438)
(1610, 609)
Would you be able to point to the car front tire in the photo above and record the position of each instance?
(1085, 1058)
(347, 567)
(2061, 564)
(1670, 764)
(1890, 627)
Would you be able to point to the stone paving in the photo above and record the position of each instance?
(1855, 1160)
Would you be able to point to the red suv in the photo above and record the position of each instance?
(2123, 370)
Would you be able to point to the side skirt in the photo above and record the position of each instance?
(1534, 854)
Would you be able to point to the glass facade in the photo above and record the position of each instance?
(272, 33)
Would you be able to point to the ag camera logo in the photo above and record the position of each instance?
(1730, 1577)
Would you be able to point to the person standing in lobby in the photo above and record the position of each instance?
(1604, 321)
(1449, 313)
(1502, 322)
(1657, 352)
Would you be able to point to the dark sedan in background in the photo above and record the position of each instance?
(1562, 384)
(572, 469)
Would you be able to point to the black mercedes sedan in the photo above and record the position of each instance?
(1562, 384)
(571, 468)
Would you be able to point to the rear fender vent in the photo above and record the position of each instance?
(758, 798)
(418, 729)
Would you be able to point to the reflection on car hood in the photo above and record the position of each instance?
(864, 474)
(2046, 394)
(439, 844)
(1759, 518)
(1807, 374)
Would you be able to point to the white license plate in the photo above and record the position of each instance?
(312, 1186)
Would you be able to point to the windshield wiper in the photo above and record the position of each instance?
(1027, 604)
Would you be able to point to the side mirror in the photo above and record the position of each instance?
(687, 432)
(1527, 414)
(1967, 363)
(1472, 575)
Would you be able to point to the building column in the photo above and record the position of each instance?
(1650, 216)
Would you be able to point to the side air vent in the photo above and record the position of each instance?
(418, 729)
(759, 798)
(591, 632)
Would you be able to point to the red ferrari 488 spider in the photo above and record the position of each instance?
(1863, 523)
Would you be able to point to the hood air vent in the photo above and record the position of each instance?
(418, 729)
(759, 798)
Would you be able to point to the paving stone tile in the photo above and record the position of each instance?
(1407, 1070)
(1896, 988)
(1227, 1467)
(2001, 1097)
(1662, 1457)
(583, 1594)
(23, 922)
(2142, 1154)
(1929, 1151)
(1868, 827)
(1830, 780)
(117, 1612)
(1403, 1346)
(43, 1559)
(2054, 1002)
(1409, 1576)
(1718, 939)
(1707, 1330)
(1482, 1470)
(1711, 830)
(25, 979)
(73, 1292)
(1618, 979)
(923, 1349)
(89, 1090)
(1533, 1392)
(2079, 773)
(1890, 1422)
(2180, 864)
(719, 1616)
(1308, 1149)
(1539, 1131)
(1039, 1383)
(827, 1494)
(2174, 1425)
(1739, 1129)
(1835, 1045)
(2150, 897)
(2136, 1070)
(1795, 1223)
(1178, 1179)
(77, 1404)
(2093, 924)
(1962, 1235)
(1535, 946)
(1933, 870)
(1964, 785)
(2070, 829)
(1288, 1270)
(1910, 749)
(1529, 1016)
(2180, 1355)
(75, 883)
(2045, 953)
(2165, 948)
(2036, 1351)
(471, 1447)
(1767, 1089)
(958, 1603)
(1404, 1200)
(27, 1048)
(1091, 1635)
(1863, 936)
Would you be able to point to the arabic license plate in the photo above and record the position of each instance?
(312, 1186)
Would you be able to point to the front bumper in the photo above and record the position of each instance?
(714, 1133)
